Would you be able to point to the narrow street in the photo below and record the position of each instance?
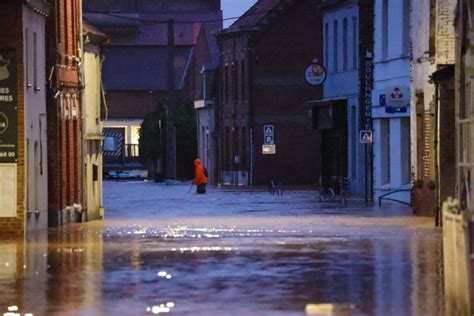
(162, 249)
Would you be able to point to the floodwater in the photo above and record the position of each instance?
(163, 250)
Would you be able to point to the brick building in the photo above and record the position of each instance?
(432, 38)
(23, 169)
(135, 71)
(264, 55)
(64, 112)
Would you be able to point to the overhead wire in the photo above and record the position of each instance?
(153, 21)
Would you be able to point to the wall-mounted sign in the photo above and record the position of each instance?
(8, 108)
(366, 85)
(315, 74)
(366, 137)
(269, 140)
(269, 149)
(397, 99)
(269, 135)
(269, 130)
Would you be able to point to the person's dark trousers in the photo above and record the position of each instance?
(201, 189)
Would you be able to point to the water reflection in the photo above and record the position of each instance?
(95, 270)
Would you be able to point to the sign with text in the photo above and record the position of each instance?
(8, 108)
(269, 149)
(269, 140)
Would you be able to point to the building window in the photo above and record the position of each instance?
(384, 151)
(27, 58)
(344, 45)
(406, 27)
(226, 83)
(355, 45)
(242, 80)
(235, 85)
(335, 47)
(384, 29)
(326, 45)
(405, 151)
(35, 62)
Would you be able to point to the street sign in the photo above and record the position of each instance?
(269, 130)
(269, 149)
(269, 140)
(366, 137)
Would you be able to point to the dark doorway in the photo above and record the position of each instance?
(334, 149)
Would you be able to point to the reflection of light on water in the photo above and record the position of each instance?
(164, 274)
(198, 249)
(159, 309)
(13, 311)
(329, 309)
(70, 250)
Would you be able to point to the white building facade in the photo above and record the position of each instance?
(391, 100)
(92, 125)
(341, 60)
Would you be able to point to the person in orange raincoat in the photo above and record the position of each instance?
(201, 177)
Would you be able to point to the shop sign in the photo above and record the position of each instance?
(366, 86)
(8, 108)
(397, 99)
(315, 74)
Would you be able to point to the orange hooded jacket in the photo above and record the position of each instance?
(199, 171)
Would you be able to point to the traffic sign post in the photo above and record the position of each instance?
(269, 130)
(269, 140)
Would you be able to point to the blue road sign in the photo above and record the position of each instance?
(268, 130)
(269, 140)
(366, 137)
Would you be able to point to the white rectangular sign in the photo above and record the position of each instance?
(269, 149)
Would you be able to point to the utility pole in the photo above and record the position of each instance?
(170, 107)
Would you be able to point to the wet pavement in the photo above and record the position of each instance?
(163, 250)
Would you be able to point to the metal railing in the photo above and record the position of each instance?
(384, 197)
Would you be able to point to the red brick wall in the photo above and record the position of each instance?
(279, 92)
(424, 200)
(64, 109)
(11, 20)
(262, 82)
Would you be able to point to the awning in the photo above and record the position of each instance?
(325, 102)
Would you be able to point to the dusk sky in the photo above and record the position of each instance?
(234, 8)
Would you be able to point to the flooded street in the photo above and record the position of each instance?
(163, 250)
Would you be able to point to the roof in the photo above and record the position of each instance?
(94, 34)
(254, 14)
(141, 68)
